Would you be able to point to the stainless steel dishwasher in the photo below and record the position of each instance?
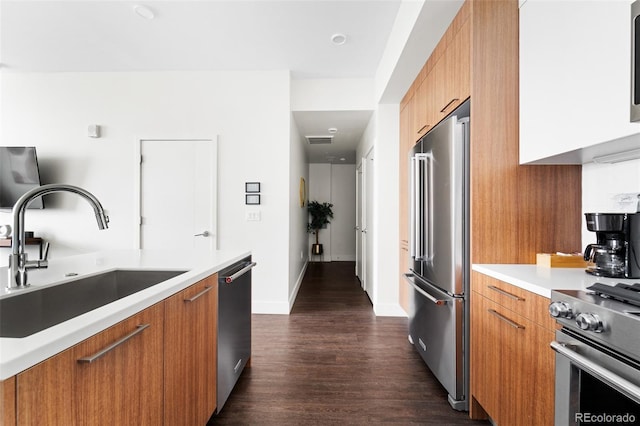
(234, 325)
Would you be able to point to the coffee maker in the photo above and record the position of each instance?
(617, 251)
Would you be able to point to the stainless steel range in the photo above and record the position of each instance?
(597, 354)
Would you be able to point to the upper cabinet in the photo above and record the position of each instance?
(443, 82)
(452, 73)
(575, 66)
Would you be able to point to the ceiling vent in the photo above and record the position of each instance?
(319, 140)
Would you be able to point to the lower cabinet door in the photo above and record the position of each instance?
(119, 373)
(112, 378)
(512, 365)
(190, 354)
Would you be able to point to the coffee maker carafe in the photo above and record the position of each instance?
(617, 251)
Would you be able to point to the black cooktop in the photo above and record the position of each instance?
(626, 293)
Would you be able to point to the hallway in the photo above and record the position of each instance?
(333, 362)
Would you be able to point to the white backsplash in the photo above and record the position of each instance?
(600, 184)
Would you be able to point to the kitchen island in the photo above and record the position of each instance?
(142, 359)
(19, 354)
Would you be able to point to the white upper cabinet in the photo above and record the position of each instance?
(575, 82)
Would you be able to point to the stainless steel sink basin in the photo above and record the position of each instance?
(28, 313)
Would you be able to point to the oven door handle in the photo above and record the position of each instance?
(610, 378)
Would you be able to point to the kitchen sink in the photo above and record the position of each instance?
(31, 312)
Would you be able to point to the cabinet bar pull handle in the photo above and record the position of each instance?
(422, 128)
(506, 293)
(449, 104)
(103, 352)
(505, 319)
(206, 289)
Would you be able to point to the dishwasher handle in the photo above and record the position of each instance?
(238, 274)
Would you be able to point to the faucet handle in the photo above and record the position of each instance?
(45, 253)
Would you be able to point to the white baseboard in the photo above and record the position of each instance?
(389, 310)
(296, 288)
(258, 307)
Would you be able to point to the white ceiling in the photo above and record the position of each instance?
(349, 124)
(92, 35)
(95, 35)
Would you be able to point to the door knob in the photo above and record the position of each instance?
(202, 234)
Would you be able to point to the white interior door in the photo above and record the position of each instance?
(367, 226)
(358, 234)
(178, 189)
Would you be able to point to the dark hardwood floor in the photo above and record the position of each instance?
(333, 362)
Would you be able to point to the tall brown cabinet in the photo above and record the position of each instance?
(516, 211)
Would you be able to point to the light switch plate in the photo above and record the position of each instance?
(253, 216)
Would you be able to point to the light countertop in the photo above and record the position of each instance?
(542, 280)
(18, 354)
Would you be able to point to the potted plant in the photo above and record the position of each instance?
(320, 215)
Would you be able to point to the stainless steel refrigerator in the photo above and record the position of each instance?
(439, 248)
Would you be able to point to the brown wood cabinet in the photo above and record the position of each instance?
(512, 365)
(156, 367)
(114, 377)
(190, 354)
(453, 73)
(516, 211)
(444, 81)
(8, 401)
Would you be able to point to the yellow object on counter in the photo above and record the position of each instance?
(555, 260)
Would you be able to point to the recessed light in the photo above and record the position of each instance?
(144, 12)
(343, 159)
(332, 130)
(338, 39)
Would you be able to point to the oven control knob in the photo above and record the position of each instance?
(590, 322)
(560, 310)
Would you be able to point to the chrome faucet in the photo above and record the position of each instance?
(18, 263)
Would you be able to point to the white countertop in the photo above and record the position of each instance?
(541, 279)
(18, 354)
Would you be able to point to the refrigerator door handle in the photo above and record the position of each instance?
(412, 206)
(434, 300)
(428, 206)
(419, 209)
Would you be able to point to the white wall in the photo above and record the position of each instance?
(348, 94)
(386, 193)
(600, 182)
(320, 191)
(335, 184)
(250, 111)
(343, 197)
(383, 133)
(418, 27)
(298, 216)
